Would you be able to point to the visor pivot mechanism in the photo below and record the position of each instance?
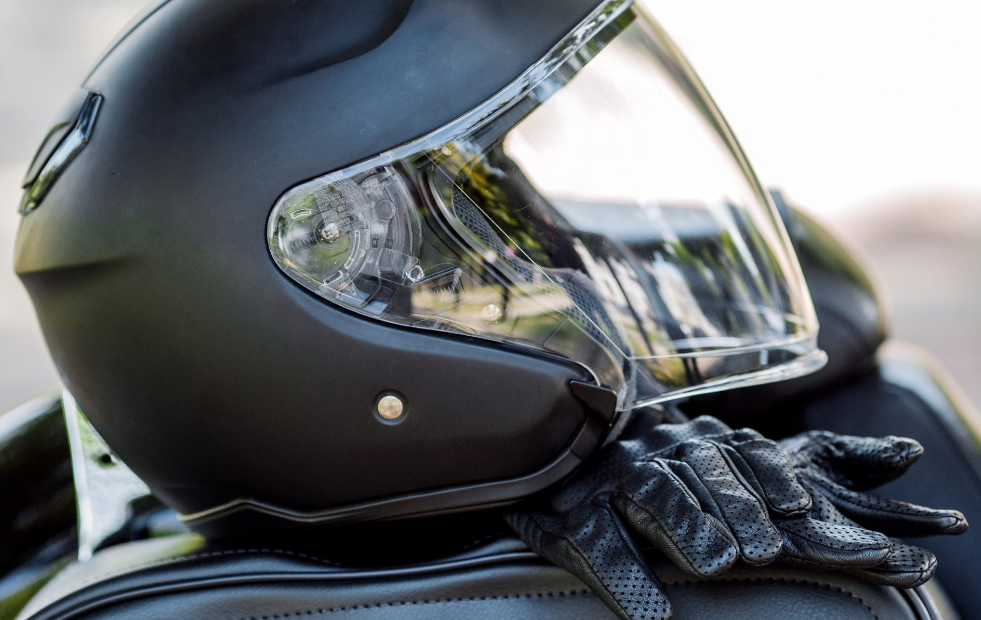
(599, 399)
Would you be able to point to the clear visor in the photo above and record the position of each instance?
(598, 209)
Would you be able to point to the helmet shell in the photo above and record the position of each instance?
(217, 379)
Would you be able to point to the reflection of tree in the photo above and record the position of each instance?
(517, 213)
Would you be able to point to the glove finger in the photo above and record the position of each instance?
(664, 436)
(906, 567)
(656, 503)
(742, 511)
(890, 516)
(592, 544)
(856, 462)
(819, 543)
(765, 465)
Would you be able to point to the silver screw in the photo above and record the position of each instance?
(331, 232)
(390, 407)
(416, 273)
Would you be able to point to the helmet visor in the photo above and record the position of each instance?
(598, 209)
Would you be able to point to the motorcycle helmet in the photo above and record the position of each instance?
(320, 262)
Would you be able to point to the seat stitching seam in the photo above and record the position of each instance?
(550, 594)
(462, 599)
(201, 556)
(808, 582)
(256, 551)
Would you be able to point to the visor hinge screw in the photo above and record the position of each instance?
(415, 273)
(331, 232)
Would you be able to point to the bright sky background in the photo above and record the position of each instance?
(844, 103)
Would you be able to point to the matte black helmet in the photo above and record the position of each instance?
(325, 261)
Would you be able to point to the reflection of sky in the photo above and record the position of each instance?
(633, 223)
(622, 130)
(844, 103)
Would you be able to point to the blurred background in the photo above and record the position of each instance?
(868, 114)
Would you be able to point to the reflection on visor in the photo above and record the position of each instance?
(597, 209)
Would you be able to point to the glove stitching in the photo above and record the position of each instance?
(856, 546)
(923, 575)
(834, 495)
(585, 558)
(558, 594)
(772, 504)
(680, 485)
(754, 483)
(666, 531)
(752, 494)
(462, 599)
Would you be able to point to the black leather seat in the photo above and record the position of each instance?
(184, 577)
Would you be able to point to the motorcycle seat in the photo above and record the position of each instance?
(495, 577)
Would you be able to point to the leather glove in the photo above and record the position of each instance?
(836, 468)
(704, 495)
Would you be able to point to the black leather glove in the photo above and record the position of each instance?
(835, 468)
(704, 495)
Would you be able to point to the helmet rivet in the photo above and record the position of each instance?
(390, 407)
(331, 232)
(491, 313)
